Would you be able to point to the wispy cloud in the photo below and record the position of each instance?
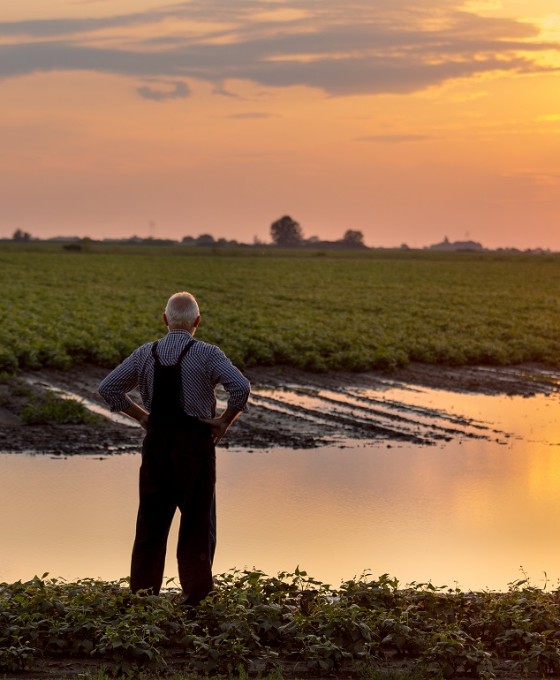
(396, 139)
(534, 176)
(220, 89)
(67, 27)
(251, 116)
(179, 90)
(394, 47)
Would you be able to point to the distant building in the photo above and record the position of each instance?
(63, 239)
(455, 246)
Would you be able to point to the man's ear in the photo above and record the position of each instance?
(196, 321)
(164, 317)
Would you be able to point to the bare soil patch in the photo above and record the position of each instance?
(288, 408)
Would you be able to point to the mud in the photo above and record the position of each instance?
(288, 408)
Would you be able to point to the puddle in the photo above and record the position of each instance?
(467, 514)
(481, 501)
(298, 416)
(394, 413)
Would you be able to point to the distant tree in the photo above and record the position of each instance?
(20, 235)
(353, 238)
(286, 232)
(205, 240)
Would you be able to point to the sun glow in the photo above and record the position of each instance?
(478, 6)
(368, 106)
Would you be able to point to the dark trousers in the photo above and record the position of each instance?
(178, 471)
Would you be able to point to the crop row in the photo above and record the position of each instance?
(354, 313)
(256, 622)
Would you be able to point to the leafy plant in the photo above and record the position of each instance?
(290, 623)
(49, 408)
(354, 311)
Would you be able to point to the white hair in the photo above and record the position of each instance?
(182, 310)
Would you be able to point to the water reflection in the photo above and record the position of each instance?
(402, 412)
(469, 513)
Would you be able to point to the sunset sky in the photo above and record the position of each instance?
(409, 120)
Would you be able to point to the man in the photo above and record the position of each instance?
(176, 377)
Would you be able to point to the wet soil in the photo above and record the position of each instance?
(288, 408)
(72, 668)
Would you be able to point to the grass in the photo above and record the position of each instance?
(290, 625)
(50, 408)
(341, 311)
(38, 406)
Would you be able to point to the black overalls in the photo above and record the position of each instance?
(178, 471)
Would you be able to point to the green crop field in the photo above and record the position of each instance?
(316, 311)
(252, 623)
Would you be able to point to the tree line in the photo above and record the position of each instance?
(284, 232)
(287, 233)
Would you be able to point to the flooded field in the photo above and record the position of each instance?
(472, 508)
(297, 410)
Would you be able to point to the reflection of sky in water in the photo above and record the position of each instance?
(470, 513)
(409, 411)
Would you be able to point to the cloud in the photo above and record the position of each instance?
(180, 90)
(396, 139)
(534, 177)
(251, 116)
(361, 48)
(41, 28)
(220, 89)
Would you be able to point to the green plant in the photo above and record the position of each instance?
(290, 623)
(354, 311)
(49, 408)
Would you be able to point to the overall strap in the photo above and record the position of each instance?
(154, 347)
(189, 344)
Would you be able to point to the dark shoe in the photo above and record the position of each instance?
(196, 590)
(194, 598)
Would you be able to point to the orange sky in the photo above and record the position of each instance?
(409, 120)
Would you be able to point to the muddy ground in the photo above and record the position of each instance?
(288, 408)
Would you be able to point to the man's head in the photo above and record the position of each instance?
(182, 312)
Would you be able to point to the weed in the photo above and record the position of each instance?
(49, 408)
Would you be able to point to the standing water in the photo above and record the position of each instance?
(475, 513)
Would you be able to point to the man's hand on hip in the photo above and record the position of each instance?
(221, 424)
(138, 413)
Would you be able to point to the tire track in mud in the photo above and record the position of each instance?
(342, 415)
(356, 427)
(288, 408)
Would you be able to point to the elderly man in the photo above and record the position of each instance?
(176, 377)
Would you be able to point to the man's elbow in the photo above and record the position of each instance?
(114, 400)
(103, 391)
(246, 390)
(246, 393)
(239, 395)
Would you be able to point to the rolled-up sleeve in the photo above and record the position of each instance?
(121, 380)
(232, 380)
